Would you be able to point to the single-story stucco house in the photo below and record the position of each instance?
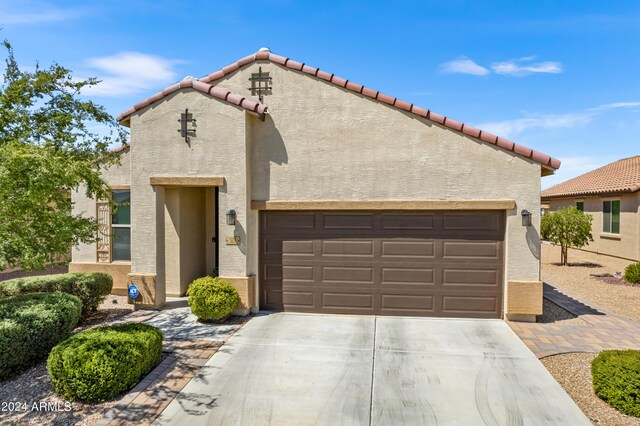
(312, 193)
(611, 194)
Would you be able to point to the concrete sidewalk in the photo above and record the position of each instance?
(330, 369)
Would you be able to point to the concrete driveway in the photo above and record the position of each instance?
(327, 369)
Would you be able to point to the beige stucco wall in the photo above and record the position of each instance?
(323, 142)
(157, 149)
(625, 245)
(318, 142)
(117, 175)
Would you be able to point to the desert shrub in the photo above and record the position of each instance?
(632, 273)
(90, 287)
(616, 379)
(32, 324)
(212, 298)
(566, 227)
(101, 363)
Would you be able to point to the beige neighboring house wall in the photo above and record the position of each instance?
(626, 245)
(84, 256)
(317, 142)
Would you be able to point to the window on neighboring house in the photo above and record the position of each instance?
(611, 216)
(580, 205)
(121, 226)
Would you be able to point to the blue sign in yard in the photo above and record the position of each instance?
(133, 291)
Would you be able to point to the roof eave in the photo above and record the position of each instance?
(590, 194)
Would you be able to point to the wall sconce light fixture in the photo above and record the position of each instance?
(231, 217)
(526, 217)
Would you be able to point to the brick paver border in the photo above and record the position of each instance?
(144, 403)
(602, 329)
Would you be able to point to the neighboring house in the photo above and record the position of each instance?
(312, 193)
(611, 194)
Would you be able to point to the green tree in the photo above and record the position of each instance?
(52, 141)
(567, 227)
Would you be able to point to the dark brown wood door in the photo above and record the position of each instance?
(447, 264)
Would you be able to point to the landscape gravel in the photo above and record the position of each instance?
(554, 314)
(573, 372)
(577, 280)
(34, 387)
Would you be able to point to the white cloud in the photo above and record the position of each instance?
(514, 67)
(463, 66)
(511, 128)
(525, 66)
(128, 73)
(35, 12)
(616, 105)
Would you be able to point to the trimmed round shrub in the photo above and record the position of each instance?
(632, 273)
(101, 363)
(90, 287)
(616, 379)
(32, 324)
(212, 298)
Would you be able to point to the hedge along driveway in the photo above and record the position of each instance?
(326, 369)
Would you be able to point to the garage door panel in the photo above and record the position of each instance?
(362, 301)
(407, 221)
(346, 248)
(470, 278)
(289, 221)
(390, 263)
(332, 221)
(303, 299)
(298, 247)
(298, 273)
(273, 272)
(407, 303)
(469, 304)
(272, 247)
(414, 277)
(406, 249)
(272, 298)
(471, 249)
(346, 275)
(483, 222)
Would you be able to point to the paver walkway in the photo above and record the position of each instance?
(601, 329)
(188, 345)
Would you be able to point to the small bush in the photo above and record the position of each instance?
(212, 298)
(32, 324)
(632, 273)
(90, 287)
(101, 363)
(616, 379)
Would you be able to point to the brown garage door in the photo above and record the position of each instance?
(389, 263)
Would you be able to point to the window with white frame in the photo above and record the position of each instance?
(121, 226)
(611, 216)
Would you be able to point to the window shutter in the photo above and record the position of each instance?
(103, 247)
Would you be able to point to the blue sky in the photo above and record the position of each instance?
(559, 77)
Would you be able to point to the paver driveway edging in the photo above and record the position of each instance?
(604, 330)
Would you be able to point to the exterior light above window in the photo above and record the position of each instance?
(231, 217)
(526, 217)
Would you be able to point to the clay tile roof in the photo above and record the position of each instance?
(265, 55)
(622, 176)
(200, 86)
